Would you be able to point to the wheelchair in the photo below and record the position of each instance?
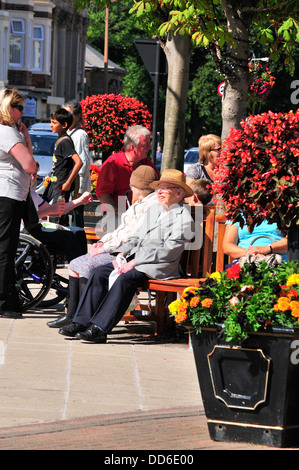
(39, 274)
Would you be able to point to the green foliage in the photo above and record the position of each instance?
(242, 300)
(204, 103)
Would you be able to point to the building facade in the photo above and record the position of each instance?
(42, 53)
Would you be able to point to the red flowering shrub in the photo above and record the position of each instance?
(106, 118)
(258, 175)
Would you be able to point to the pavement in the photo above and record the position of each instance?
(137, 392)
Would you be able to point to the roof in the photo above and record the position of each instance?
(94, 59)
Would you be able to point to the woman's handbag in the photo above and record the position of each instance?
(273, 259)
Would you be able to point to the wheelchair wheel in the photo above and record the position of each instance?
(59, 288)
(34, 271)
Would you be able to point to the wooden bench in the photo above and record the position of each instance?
(196, 264)
(90, 233)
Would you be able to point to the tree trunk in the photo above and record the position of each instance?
(236, 89)
(178, 52)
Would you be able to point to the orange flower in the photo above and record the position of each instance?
(206, 303)
(294, 305)
(194, 301)
(180, 317)
(283, 304)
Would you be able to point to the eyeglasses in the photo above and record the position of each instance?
(166, 189)
(216, 150)
(19, 107)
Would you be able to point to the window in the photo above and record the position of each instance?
(38, 48)
(16, 46)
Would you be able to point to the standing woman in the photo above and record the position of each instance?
(16, 165)
(81, 144)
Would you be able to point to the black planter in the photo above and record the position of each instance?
(250, 393)
(293, 244)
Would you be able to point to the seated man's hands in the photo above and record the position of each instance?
(123, 267)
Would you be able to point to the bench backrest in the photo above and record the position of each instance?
(197, 262)
(210, 256)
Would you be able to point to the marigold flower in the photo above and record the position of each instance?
(189, 290)
(206, 303)
(194, 301)
(46, 181)
(283, 304)
(180, 317)
(216, 276)
(294, 306)
(183, 306)
(293, 279)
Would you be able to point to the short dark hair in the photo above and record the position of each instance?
(203, 190)
(62, 116)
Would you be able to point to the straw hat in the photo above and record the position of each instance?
(175, 177)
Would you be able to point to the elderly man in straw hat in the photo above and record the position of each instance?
(153, 251)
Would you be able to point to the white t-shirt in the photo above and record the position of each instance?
(81, 144)
(14, 181)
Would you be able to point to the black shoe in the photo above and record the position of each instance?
(72, 329)
(93, 334)
(63, 320)
(10, 314)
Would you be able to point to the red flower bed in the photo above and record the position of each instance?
(106, 118)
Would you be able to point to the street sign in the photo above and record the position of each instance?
(150, 52)
(220, 88)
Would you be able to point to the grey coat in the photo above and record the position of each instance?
(158, 244)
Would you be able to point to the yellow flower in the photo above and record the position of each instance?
(179, 309)
(293, 279)
(216, 276)
(173, 307)
(188, 290)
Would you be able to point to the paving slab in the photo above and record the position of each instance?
(137, 392)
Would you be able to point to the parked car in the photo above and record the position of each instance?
(43, 141)
(190, 157)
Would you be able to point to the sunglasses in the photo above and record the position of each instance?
(19, 107)
(217, 149)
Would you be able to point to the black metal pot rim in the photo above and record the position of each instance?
(277, 330)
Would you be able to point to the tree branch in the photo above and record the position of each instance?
(265, 9)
